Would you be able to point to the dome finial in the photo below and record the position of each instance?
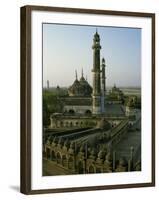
(82, 72)
(76, 74)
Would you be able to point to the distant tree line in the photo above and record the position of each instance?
(51, 104)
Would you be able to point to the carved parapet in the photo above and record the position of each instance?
(108, 163)
(107, 167)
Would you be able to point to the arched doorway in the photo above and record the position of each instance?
(91, 169)
(53, 157)
(58, 158)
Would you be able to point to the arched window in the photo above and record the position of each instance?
(88, 112)
(71, 111)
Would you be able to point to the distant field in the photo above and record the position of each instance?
(126, 90)
(132, 91)
(129, 90)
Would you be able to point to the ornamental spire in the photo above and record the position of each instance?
(82, 72)
(76, 74)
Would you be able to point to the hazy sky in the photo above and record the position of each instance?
(67, 48)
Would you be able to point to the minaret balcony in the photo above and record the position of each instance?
(96, 70)
(96, 46)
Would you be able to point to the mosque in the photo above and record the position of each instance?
(86, 105)
(92, 134)
(83, 98)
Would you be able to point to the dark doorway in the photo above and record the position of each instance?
(53, 157)
(48, 153)
(91, 169)
(64, 161)
(70, 163)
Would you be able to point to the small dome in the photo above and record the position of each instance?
(101, 154)
(103, 124)
(86, 89)
(74, 89)
(80, 88)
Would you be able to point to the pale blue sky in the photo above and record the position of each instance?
(67, 48)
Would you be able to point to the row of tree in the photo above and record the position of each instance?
(51, 104)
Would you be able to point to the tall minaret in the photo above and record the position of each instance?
(103, 88)
(96, 75)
